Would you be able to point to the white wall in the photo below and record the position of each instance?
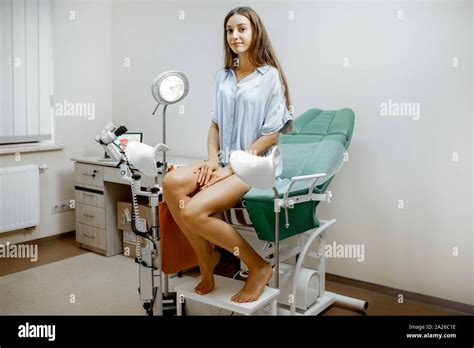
(472, 140)
(394, 159)
(154, 40)
(391, 158)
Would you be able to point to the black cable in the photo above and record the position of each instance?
(126, 159)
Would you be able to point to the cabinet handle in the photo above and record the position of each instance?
(87, 215)
(88, 236)
(87, 174)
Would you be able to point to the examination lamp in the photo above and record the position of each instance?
(169, 88)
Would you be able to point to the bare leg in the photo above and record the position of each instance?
(176, 187)
(197, 215)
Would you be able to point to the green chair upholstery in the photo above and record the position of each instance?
(311, 147)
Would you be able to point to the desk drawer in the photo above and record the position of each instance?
(91, 236)
(90, 198)
(113, 175)
(89, 174)
(89, 215)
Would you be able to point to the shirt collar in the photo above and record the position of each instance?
(263, 69)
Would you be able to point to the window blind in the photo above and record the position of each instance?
(25, 71)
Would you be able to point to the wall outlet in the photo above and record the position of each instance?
(60, 207)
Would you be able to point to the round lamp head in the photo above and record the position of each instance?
(170, 87)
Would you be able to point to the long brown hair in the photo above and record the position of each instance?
(260, 51)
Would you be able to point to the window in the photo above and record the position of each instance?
(25, 71)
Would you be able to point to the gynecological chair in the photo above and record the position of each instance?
(278, 215)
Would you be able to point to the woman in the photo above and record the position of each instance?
(251, 104)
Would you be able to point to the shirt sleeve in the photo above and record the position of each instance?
(214, 98)
(276, 112)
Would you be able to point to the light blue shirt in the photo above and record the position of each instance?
(246, 110)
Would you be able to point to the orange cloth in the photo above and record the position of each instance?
(177, 253)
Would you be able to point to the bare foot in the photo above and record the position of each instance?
(253, 288)
(207, 274)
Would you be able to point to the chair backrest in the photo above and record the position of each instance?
(311, 128)
(316, 125)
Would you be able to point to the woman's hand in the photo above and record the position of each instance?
(205, 169)
(217, 176)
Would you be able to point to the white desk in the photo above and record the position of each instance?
(98, 187)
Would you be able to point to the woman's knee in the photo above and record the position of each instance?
(175, 184)
(169, 180)
(192, 215)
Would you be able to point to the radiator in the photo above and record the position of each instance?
(19, 197)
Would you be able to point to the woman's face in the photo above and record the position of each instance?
(239, 33)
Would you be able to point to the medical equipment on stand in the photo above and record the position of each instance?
(168, 88)
(140, 157)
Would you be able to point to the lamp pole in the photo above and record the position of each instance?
(165, 165)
